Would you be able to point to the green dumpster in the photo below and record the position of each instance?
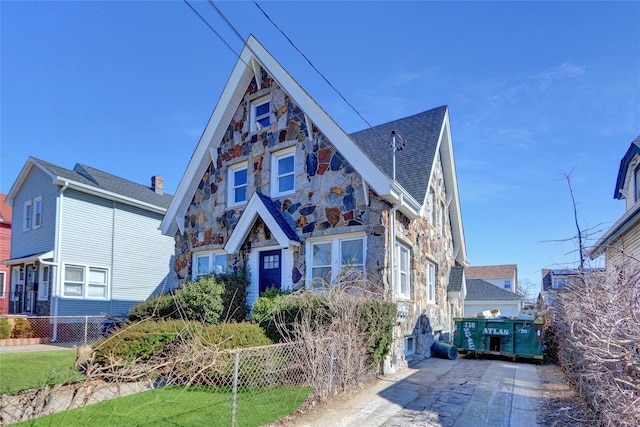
(506, 337)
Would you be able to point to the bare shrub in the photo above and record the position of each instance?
(596, 333)
(335, 336)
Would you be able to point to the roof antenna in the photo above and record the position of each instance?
(396, 145)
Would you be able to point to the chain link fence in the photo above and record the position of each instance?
(64, 331)
(279, 377)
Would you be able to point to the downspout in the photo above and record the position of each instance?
(56, 289)
(392, 267)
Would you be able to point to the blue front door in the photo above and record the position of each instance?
(270, 270)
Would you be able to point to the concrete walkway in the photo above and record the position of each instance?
(439, 392)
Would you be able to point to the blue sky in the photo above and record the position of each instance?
(533, 89)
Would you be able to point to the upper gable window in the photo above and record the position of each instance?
(37, 212)
(260, 114)
(28, 216)
(283, 172)
(238, 184)
(507, 284)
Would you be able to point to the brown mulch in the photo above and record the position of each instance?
(561, 405)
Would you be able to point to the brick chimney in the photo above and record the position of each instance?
(157, 184)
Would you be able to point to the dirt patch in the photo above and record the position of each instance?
(560, 403)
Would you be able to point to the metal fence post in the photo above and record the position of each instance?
(86, 328)
(234, 389)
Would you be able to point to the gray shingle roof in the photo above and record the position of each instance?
(480, 290)
(455, 279)
(89, 176)
(413, 164)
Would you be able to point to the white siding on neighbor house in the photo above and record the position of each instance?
(142, 256)
(124, 239)
(625, 249)
(87, 224)
(35, 240)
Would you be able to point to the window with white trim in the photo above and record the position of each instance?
(205, 264)
(37, 212)
(403, 269)
(507, 284)
(260, 114)
(43, 283)
(431, 205)
(431, 282)
(238, 184)
(85, 282)
(3, 284)
(329, 258)
(283, 172)
(28, 215)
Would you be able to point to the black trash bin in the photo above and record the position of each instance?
(444, 350)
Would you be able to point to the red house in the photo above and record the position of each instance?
(5, 253)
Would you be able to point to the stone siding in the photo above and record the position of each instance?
(426, 321)
(329, 198)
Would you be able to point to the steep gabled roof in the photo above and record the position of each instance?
(634, 149)
(421, 132)
(631, 218)
(427, 133)
(262, 206)
(94, 181)
(480, 290)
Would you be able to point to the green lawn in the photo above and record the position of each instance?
(177, 406)
(19, 371)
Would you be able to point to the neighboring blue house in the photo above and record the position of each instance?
(85, 242)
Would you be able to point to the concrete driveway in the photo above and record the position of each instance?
(438, 392)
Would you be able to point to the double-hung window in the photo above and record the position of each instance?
(507, 284)
(28, 216)
(205, 264)
(283, 172)
(260, 114)
(98, 283)
(238, 184)
(86, 282)
(431, 282)
(37, 212)
(73, 281)
(403, 269)
(335, 257)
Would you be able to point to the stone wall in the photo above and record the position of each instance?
(426, 321)
(329, 197)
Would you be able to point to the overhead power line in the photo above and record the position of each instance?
(228, 22)
(316, 69)
(212, 29)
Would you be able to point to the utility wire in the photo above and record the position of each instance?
(212, 29)
(217, 9)
(318, 71)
